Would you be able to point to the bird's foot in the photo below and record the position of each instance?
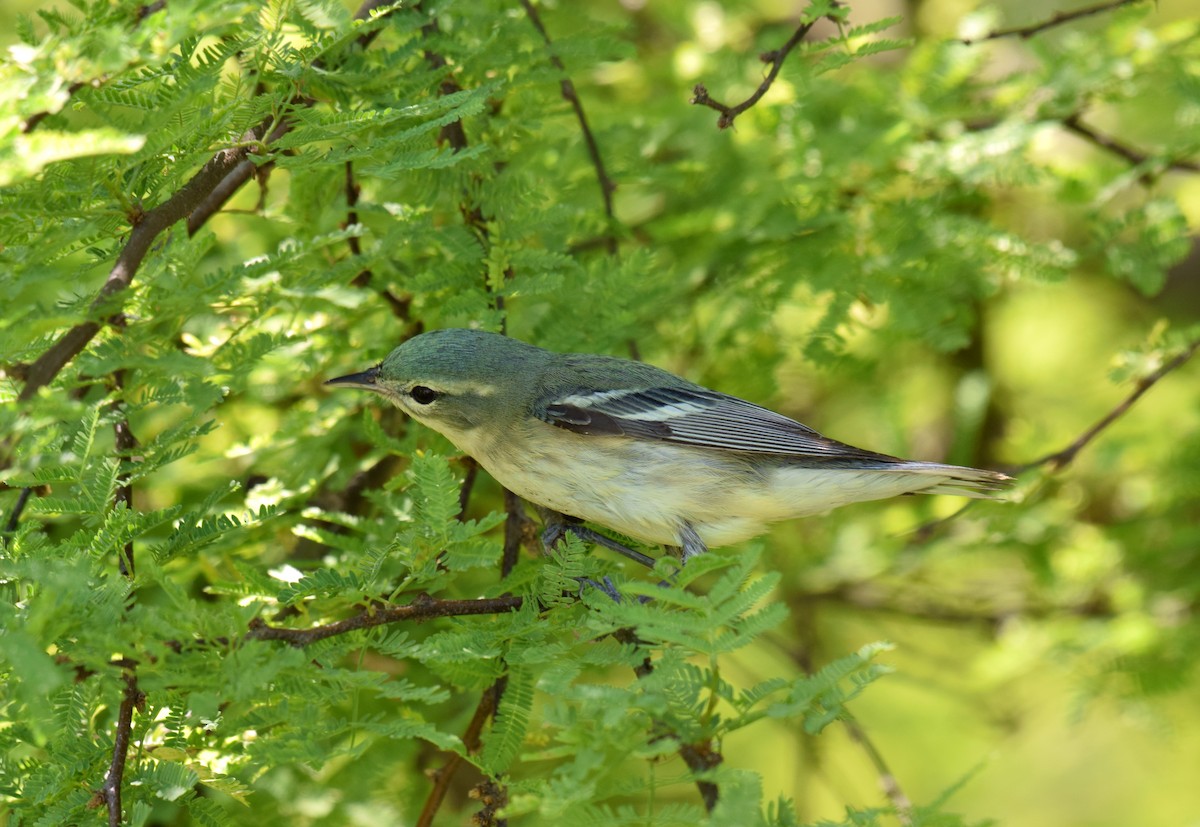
(557, 525)
(609, 589)
(605, 586)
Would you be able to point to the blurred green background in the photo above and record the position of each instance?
(1045, 648)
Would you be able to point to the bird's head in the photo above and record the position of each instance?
(453, 380)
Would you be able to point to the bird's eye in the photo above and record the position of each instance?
(423, 395)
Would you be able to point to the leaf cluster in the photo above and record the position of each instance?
(878, 247)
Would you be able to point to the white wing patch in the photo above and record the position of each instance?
(636, 405)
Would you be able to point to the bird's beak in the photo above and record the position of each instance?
(364, 380)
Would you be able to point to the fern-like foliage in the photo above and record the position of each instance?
(929, 248)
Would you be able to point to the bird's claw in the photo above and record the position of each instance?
(605, 586)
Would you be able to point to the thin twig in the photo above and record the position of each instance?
(468, 485)
(1058, 19)
(698, 757)
(150, 8)
(14, 518)
(111, 790)
(518, 530)
(455, 134)
(422, 607)
(1133, 156)
(31, 123)
(803, 658)
(728, 114)
(488, 704)
(400, 305)
(1061, 458)
(701, 758)
(126, 444)
(869, 597)
(887, 780)
(36, 118)
(353, 191)
(607, 186)
(1058, 460)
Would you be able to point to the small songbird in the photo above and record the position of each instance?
(633, 448)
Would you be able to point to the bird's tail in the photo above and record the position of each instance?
(958, 480)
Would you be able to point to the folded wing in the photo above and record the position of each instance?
(702, 418)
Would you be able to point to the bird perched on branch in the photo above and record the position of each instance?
(636, 449)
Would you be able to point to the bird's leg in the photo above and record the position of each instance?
(589, 536)
(691, 544)
(558, 525)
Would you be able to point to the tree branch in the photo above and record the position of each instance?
(111, 790)
(126, 444)
(198, 199)
(487, 707)
(869, 597)
(1058, 19)
(455, 134)
(246, 169)
(572, 97)
(698, 757)
(887, 779)
(423, 607)
(518, 530)
(1059, 459)
(31, 123)
(1133, 156)
(1063, 457)
(701, 758)
(146, 227)
(400, 306)
(468, 485)
(774, 59)
(14, 518)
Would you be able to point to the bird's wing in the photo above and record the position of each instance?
(696, 416)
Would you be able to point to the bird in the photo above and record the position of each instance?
(635, 449)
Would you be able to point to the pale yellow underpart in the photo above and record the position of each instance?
(649, 490)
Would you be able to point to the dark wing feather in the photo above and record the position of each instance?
(699, 417)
